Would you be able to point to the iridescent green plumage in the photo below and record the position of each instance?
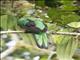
(37, 27)
(42, 40)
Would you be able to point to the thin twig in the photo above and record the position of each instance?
(4, 32)
(64, 33)
(49, 32)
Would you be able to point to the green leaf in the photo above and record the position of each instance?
(74, 24)
(3, 22)
(54, 13)
(68, 2)
(66, 45)
(69, 18)
(68, 7)
(8, 22)
(58, 39)
(44, 57)
(40, 3)
(12, 22)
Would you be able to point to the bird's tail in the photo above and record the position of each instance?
(41, 40)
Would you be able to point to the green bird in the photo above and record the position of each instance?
(37, 28)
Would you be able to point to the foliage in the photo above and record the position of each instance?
(74, 24)
(68, 44)
(62, 16)
(64, 13)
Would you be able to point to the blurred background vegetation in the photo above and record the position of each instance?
(59, 16)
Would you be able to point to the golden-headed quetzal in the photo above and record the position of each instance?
(37, 28)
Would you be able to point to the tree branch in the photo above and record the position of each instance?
(49, 32)
(64, 33)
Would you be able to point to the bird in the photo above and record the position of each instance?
(37, 28)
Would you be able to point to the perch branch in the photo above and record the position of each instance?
(49, 32)
(64, 33)
(4, 32)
